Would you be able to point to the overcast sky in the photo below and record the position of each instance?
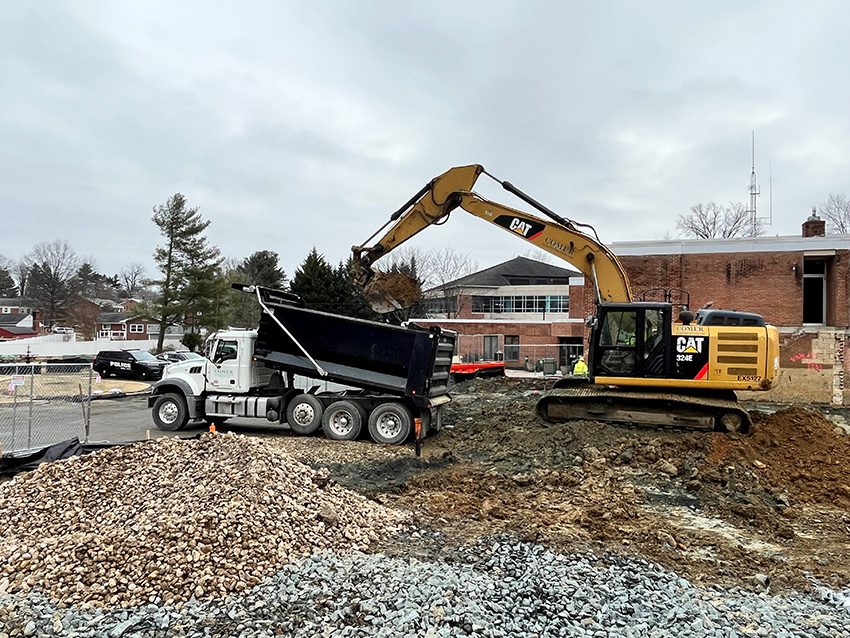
(300, 124)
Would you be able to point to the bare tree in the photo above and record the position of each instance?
(132, 278)
(440, 269)
(837, 213)
(21, 274)
(723, 221)
(54, 265)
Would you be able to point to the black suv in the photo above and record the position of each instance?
(137, 364)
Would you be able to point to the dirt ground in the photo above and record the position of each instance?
(718, 508)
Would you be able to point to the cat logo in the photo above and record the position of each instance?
(526, 228)
(520, 227)
(689, 345)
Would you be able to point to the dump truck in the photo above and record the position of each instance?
(396, 378)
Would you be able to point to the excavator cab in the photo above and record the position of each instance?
(631, 340)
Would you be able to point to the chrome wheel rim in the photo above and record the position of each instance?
(304, 414)
(341, 422)
(168, 412)
(388, 425)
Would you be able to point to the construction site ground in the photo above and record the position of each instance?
(771, 507)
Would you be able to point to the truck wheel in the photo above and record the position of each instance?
(170, 412)
(390, 424)
(342, 421)
(304, 414)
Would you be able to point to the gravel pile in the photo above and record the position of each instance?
(501, 587)
(167, 520)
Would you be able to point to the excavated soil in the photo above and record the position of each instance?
(725, 509)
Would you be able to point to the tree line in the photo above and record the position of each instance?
(192, 283)
(191, 286)
(713, 220)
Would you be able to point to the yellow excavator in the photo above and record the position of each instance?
(645, 366)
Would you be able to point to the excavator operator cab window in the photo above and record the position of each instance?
(617, 343)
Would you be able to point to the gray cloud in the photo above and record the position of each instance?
(301, 124)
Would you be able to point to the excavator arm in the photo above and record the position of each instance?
(453, 189)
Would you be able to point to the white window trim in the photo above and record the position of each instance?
(137, 328)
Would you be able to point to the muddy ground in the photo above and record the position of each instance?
(718, 508)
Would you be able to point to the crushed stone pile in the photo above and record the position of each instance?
(167, 520)
(497, 587)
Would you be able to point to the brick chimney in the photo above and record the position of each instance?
(36, 321)
(814, 226)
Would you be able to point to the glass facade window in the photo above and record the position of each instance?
(538, 304)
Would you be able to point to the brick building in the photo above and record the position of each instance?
(801, 284)
(521, 310)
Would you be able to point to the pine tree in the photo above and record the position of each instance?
(316, 283)
(189, 267)
(7, 284)
(261, 268)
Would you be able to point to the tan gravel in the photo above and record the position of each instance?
(168, 519)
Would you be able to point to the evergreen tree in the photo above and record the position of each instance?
(261, 268)
(316, 282)
(7, 284)
(188, 264)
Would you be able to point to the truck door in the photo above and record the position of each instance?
(223, 374)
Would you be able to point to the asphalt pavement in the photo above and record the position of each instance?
(129, 419)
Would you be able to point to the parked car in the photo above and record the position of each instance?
(177, 357)
(136, 364)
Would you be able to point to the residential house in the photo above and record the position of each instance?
(128, 326)
(19, 325)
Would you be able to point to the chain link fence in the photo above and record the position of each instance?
(43, 403)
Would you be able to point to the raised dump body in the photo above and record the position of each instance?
(411, 361)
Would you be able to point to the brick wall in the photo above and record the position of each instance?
(764, 283)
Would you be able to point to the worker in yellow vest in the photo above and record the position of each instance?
(580, 367)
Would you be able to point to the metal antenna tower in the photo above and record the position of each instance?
(754, 189)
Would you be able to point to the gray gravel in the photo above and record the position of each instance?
(501, 587)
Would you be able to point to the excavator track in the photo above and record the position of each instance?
(644, 409)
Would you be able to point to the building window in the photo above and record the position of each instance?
(814, 291)
(7, 310)
(153, 328)
(491, 346)
(538, 304)
(511, 347)
(137, 328)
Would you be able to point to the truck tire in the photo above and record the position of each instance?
(304, 414)
(170, 412)
(390, 424)
(342, 421)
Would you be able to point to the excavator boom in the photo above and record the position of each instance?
(453, 189)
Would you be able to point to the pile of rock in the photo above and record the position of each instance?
(498, 587)
(167, 520)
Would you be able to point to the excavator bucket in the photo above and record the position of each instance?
(388, 291)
